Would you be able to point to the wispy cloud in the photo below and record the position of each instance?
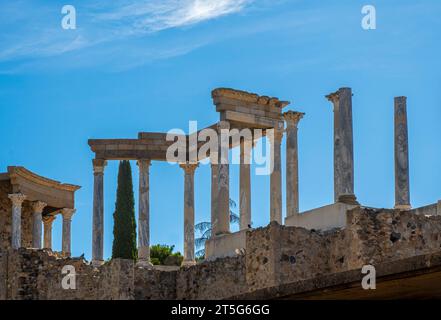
(157, 15)
(37, 33)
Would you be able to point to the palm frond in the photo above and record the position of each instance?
(200, 242)
(200, 253)
(234, 218)
(207, 234)
(233, 203)
(202, 226)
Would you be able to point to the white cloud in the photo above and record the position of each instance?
(157, 15)
(34, 36)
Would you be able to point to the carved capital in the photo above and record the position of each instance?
(67, 213)
(333, 97)
(48, 220)
(292, 118)
(189, 168)
(98, 166)
(17, 199)
(38, 206)
(143, 163)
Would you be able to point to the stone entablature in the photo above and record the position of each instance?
(55, 194)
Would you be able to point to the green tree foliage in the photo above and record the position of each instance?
(124, 228)
(164, 255)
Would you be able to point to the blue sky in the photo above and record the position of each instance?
(134, 66)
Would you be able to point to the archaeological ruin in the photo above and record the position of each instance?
(318, 254)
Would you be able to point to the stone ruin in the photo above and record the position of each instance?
(300, 257)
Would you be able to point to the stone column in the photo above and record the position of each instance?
(402, 190)
(17, 201)
(223, 182)
(276, 177)
(144, 213)
(343, 146)
(292, 119)
(47, 222)
(245, 185)
(67, 214)
(214, 191)
(98, 212)
(189, 258)
(37, 224)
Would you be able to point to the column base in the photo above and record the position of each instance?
(144, 264)
(188, 263)
(348, 199)
(97, 263)
(402, 207)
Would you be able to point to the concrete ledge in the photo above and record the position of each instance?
(324, 218)
(225, 245)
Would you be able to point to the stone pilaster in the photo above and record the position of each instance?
(98, 212)
(223, 185)
(17, 201)
(402, 190)
(214, 192)
(292, 119)
(245, 184)
(37, 224)
(189, 257)
(67, 214)
(276, 177)
(343, 146)
(144, 213)
(47, 239)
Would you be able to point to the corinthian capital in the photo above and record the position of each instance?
(189, 168)
(67, 213)
(292, 118)
(98, 165)
(17, 199)
(38, 206)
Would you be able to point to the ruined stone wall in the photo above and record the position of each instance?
(276, 255)
(37, 275)
(153, 284)
(212, 280)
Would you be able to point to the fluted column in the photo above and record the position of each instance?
(343, 146)
(189, 257)
(17, 201)
(223, 185)
(214, 192)
(98, 212)
(67, 214)
(292, 119)
(402, 189)
(37, 224)
(245, 184)
(144, 213)
(47, 239)
(276, 177)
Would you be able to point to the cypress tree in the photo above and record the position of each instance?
(124, 228)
